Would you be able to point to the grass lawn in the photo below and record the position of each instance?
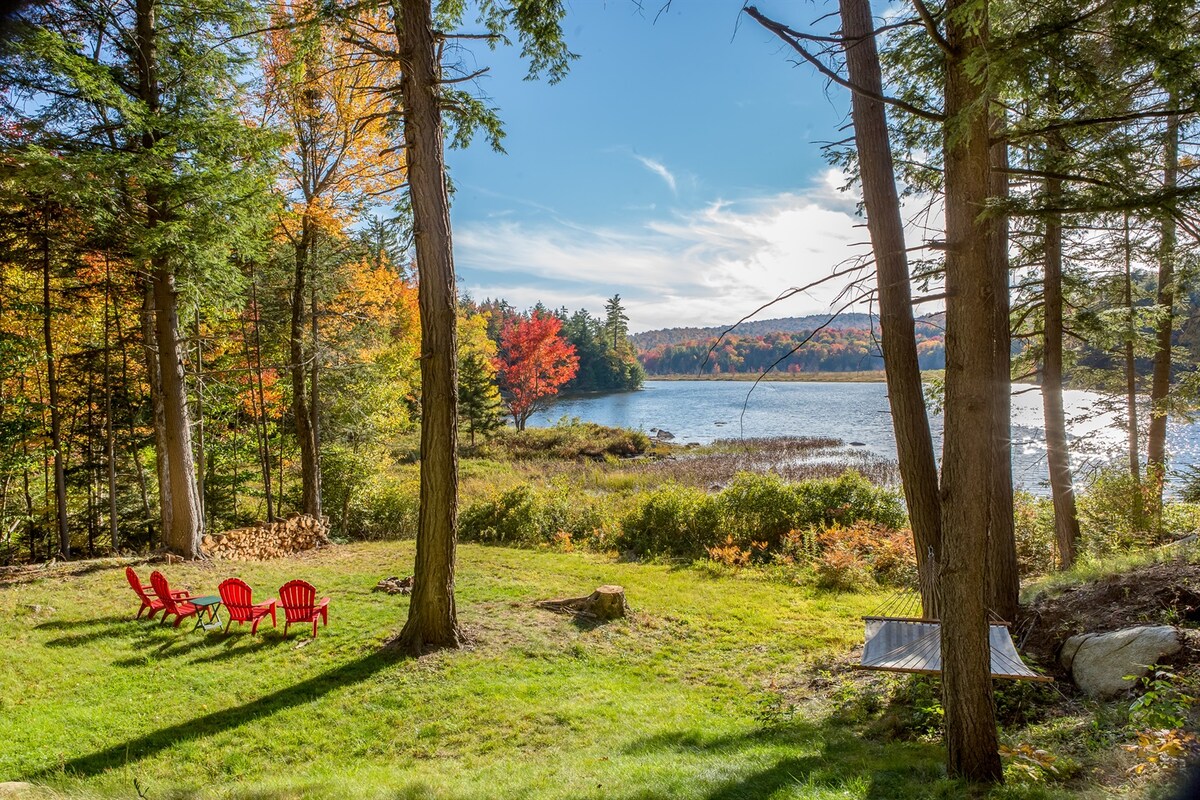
(677, 702)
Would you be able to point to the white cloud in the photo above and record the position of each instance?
(659, 169)
(705, 266)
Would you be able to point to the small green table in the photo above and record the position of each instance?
(209, 604)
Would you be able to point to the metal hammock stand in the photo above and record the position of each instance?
(899, 639)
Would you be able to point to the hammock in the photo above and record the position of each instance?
(913, 644)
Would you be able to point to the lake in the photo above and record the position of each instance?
(702, 411)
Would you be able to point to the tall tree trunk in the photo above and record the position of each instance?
(1160, 386)
(261, 414)
(154, 379)
(1003, 572)
(314, 397)
(1131, 412)
(1062, 489)
(60, 479)
(183, 537)
(30, 527)
(310, 474)
(89, 461)
(972, 747)
(914, 444)
(110, 445)
(200, 452)
(432, 617)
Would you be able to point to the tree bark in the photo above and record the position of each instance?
(201, 471)
(306, 432)
(260, 420)
(972, 747)
(910, 420)
(1160, 386)
(1131, 412)
(154, 380)
(1062, 489)
(1004, 578)
(182, 534)
(60, 480)
(183, 537)
(110, 444)
(432, 618)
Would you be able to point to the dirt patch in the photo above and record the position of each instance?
(1157, 594)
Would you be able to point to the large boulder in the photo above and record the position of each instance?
(1100, 662)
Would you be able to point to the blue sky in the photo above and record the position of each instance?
(677, 164)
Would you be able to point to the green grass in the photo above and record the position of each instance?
(676, 702)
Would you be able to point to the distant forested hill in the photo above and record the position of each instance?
(848, 344)
(758, 327)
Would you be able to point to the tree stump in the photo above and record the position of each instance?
(606, 603)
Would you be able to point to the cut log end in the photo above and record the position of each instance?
(606, 603)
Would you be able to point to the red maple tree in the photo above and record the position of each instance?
(534, 362)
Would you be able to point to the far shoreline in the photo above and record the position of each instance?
(865, 376)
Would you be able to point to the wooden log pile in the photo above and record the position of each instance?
(265, 540)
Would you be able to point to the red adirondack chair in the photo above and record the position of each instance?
(144, 591)
(298, 599)
(238, 601)
(174, 603)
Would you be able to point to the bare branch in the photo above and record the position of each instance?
(791, 38)
(931, 26)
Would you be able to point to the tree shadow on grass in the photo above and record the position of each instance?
(150, 744)
(101, 629)
(80, 639)
(231, 650)
(71, 624)
(845, 762)
(172, 648)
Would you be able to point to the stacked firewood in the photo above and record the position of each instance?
(269, 539)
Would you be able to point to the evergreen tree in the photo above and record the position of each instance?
(616, 324)
(479, 403)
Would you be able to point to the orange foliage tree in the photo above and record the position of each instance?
(535, 360)
(332, 97)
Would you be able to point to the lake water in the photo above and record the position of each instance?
(701, 411)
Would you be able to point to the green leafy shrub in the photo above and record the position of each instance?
(1163, 703)
(1181, 519)
(755, 513)
(364, 498)
(1116, 514)
(529, 516)
(1033, 527)
(391, 511)
(759, 508)
(848, 498)
(671, 520)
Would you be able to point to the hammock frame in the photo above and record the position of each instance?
(906, 641)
